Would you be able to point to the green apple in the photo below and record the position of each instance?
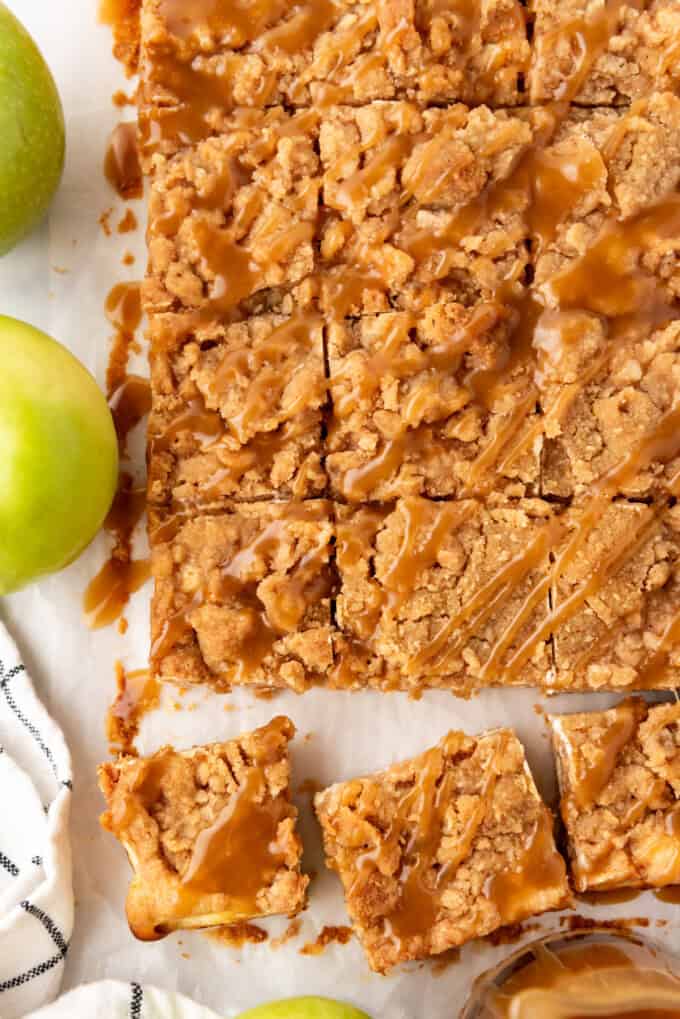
(58, 455)
(304, 1008)
(31, 133)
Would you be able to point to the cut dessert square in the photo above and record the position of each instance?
(210, 832)
(443, 848)
(242, 597)
(201, 60)
(430, 404)
(420, 205)
(611, 407)
(607, 210)
(236, 409)
(616, 597)
(619, 776)
(600, 53)
(443, 594)
(234, 215)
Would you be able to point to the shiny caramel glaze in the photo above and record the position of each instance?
(600, 973)
(121, 162)
(110, 590)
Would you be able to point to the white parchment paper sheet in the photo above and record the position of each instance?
(58, 280)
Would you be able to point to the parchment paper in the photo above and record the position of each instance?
(58, 280)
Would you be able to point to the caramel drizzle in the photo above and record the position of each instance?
(591, 38)
(238, 855)
(452, 637)
(591, 778)
(539, 868)
(203, 89)
(267, 364)
(607, 280)
(417, 821)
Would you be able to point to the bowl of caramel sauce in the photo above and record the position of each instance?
(576, 975)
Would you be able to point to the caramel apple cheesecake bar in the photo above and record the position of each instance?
(443, 848)
(619, 779)
(210, 832)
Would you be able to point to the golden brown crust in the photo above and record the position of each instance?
(185, 820)
(606, 402)
(619, 776)
(443, 848)
(245, 203)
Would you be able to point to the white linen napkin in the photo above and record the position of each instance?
(36, 894)
(111, 999)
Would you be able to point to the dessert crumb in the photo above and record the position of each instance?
(329, 935)
(291, 931)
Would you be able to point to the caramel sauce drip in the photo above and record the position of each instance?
(592, 777)
(238, 855)
(110, 590)
(670, 894)
(122, 167)
(329, 935)
(129, 398)
(416, 831)
(540, 868)
(136, 694)
(127, 224)
(129, 404)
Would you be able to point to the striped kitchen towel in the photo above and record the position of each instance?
(111, 999)
(36, 895)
